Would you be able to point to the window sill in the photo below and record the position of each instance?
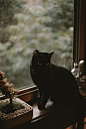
(60, 118)
(52, 117)
(26, 94)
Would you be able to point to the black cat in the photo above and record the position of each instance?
(52, 81)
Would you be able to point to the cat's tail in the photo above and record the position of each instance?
(81, 111)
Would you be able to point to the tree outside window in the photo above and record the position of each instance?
(24, 28)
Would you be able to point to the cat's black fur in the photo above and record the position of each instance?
(52, 81)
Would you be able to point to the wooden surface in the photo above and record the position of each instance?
(54, 117)
(64, 113)
(82, 31)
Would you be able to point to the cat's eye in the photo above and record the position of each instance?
(47, 64)
(39, 63)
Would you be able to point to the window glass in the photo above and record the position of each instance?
(26, 25)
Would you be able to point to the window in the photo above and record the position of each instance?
(79, 39)
(27, 25)
(7, 62)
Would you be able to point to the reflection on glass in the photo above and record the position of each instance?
(26, 25)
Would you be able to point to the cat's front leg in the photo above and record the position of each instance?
(43, 101)
(39, 100)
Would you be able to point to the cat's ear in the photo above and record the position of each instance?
(50, 54)
(36, 52)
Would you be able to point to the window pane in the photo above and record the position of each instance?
(26, 25)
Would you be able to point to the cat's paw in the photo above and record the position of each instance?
(38, 102)
(40, 106)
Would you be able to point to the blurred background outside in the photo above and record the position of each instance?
(26, 25)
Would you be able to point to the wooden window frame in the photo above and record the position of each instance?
(76, 31)
(79, 46)
(82, 33)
